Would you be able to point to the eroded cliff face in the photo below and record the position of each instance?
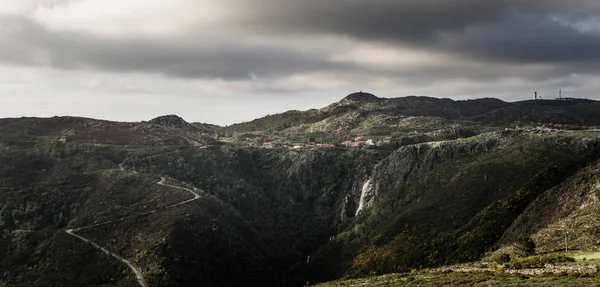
(409, 163)
(334, 178)
(362, 178)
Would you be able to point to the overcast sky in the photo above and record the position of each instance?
(226, 61)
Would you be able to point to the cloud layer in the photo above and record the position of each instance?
(256, 50)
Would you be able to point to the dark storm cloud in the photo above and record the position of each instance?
(524, 39)
(514, 31)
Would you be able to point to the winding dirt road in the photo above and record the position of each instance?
(138, 274)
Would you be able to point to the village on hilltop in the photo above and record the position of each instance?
(364, 142)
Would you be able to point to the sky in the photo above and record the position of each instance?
(228, 61)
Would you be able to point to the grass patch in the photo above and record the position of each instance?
(465, 279)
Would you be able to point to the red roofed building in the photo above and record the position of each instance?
(358, 144)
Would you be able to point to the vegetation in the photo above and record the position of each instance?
(538, 261)
(467, 279)
(42, 187)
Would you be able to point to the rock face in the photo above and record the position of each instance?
(409, 163)
(339, 173)
(171, 121)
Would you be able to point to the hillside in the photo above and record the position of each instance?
(368, 115)
(79, 197)
(451, 278)
(160, 131)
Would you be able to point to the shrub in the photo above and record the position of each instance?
(503, 258)
(538, 261)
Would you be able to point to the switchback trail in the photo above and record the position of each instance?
(138, 274)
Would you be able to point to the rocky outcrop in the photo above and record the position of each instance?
(340, 171)
(358, 98)
(173, 121)
(409, 163)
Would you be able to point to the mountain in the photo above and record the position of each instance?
(364, 114)
(78, 197)
(157, 132)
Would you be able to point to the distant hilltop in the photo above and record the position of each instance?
(361, 96)
(170, 120)
(363, 113)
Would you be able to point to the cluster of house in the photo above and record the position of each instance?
(358, 142)
(361, 141)
(270, 145)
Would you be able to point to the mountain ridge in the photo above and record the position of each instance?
(364, 114)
